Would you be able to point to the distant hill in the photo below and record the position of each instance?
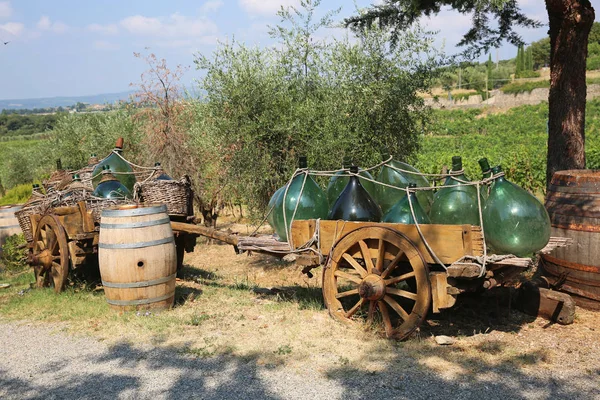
(49, 102)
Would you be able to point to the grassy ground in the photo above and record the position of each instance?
(223, 306)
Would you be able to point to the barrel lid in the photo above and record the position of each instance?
(577, 177)
(134, 210)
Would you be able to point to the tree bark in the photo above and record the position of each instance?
(570, 24)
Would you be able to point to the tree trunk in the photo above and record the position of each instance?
(570, 24)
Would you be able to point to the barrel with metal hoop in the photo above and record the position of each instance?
(9, 224)
(137, 257)
(573, 203)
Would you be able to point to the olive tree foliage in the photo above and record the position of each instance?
(76, 136)
(326, 99)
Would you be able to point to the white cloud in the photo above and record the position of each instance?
(265, 7)
(5, 9)
(13, 28)
(105, 45)
(45, 24)
(211, 6)
(111, 29)
(174, 26)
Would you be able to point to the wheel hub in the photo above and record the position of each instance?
(43, 259)
(372, 287)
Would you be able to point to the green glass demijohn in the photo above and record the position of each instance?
(271, 206)
(400, 213)
(123, 171)
(160, 173)
(110, 187)
(306, 193)
(338, 182)
(486, 172)
(355, 203)
(514, 221)
(455, 205)
(387, 197)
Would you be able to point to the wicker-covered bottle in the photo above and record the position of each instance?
(121, 169)
(110, 187)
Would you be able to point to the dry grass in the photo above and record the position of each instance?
(219, 311)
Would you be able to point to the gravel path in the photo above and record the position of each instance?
(37, 363)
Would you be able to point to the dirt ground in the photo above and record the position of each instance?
(487, 333)
(265, 312)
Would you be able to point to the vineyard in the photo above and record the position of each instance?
(516, 139)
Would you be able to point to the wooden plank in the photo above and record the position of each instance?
(546, 303)
(205, 231)
(448, 241)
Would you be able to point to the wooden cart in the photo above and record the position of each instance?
(66, 239)
(384, 274)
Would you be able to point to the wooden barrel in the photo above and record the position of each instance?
(9, 224)
(137, 257)
(573, 203)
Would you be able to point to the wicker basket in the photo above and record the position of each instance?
(177, 195)
(24, 220)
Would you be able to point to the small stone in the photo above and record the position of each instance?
(444, 340)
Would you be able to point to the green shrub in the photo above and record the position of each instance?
(17, 195)
(14, 254)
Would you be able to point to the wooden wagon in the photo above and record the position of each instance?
(384, 274)
(65, 239)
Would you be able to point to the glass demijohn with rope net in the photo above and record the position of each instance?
(456, 203)
(486, 172)
(302, 199)
(338, 182)
(398, 174)
(401, 213)
(514, 221)
(355, 203)
(118, 166)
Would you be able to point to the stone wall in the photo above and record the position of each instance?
(500, 99)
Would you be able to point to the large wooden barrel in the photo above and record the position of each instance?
(573, 203)
(137, 257)
(9, 224)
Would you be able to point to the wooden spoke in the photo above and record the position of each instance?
(375, 283)
(401, 293)
(396, 307)
(346, 294)
(387, 323)
(366, 253)
(380, 255)
(355, 264)
(372, 305)
(351, 278)
(354, 309)
(392, 265)
(398, 279)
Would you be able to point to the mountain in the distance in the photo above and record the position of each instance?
(63, 101)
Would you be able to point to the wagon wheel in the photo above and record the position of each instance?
(378, 275)
(50, 254)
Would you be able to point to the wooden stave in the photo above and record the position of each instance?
(138, 298)
(573, 203)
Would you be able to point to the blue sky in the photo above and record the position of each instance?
(71, 48)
